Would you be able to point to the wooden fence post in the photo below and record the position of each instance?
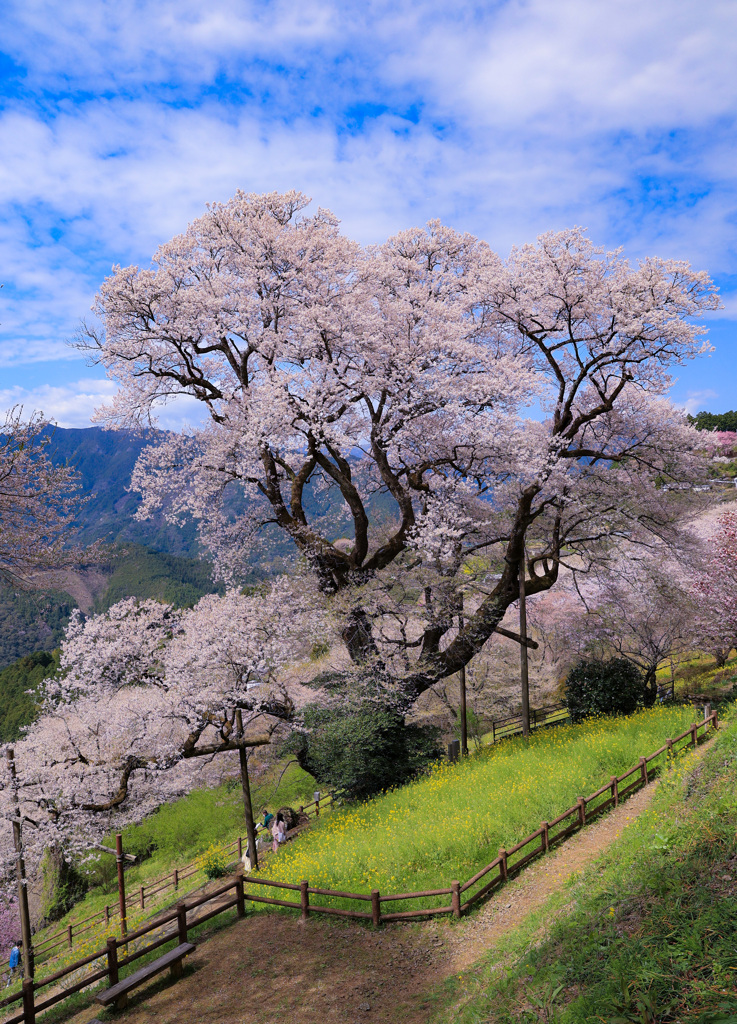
(304, 899)
(615, 790)
(112, 961)
(455, 898)
(643, 769)
(69, 936)
(375, 908)
(143, 900)
(669, 745)
(176, 878)
(107, 913)
(581, 810)
(694, 727)
(182, 922)
(714, 721)
(240, 896)
(545, 836)
(240, 848)
(503, 865)
(29, 1009)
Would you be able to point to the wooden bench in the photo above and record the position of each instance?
(118, 993)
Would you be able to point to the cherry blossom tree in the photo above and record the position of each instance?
(145, 693)
(9, 928)
(715, 586)
(642, 610)
(38, 502)
(401, 377)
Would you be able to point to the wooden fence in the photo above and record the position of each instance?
(508, 862)
(112, 964)
(539, 842)
(551, 714)
(143, 895)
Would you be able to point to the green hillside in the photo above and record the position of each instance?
(647, 935)
(104, 460)
(136, 571)
(18, 706)
(31, 621)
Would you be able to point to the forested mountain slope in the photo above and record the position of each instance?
(105, 461)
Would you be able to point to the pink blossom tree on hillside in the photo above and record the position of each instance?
(146, 693)
(38, 502)
(403, 372)
(643, 610)
(715, 585)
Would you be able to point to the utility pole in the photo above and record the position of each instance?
(246, 788)
(20, 870)
(121, 885)
(462, 677)
(524, 675)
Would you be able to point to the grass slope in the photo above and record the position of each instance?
(653, 932)
(451, 822)
(18, 685)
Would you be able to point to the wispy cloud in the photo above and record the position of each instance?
(72, 405)
(121, 120)
(697, 400)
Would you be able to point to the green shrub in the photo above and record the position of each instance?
(613, 687)
(214, 861)
(62, 885)
(319, 649)
(363, 749)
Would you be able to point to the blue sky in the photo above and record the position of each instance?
(119, 121)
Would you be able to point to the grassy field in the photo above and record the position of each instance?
(652, 935)
(450, 823)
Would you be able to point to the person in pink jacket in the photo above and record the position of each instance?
(278, 831)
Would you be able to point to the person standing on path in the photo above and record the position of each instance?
(14, 963)
(278, 831)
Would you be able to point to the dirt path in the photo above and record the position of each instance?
(533, 886)
(268, 966)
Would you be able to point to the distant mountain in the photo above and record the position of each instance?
(105, 461)
(31, 621)
(35, 621)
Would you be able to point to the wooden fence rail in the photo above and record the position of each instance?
(551, 714)
(142, 896)
(506, 864)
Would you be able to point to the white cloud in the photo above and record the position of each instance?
(66, 405)
(72, 404)
(530, 116)
(697, 400)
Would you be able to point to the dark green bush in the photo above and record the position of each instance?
(613, 687)
(363, 749)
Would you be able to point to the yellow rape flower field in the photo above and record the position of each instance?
(452, 821)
